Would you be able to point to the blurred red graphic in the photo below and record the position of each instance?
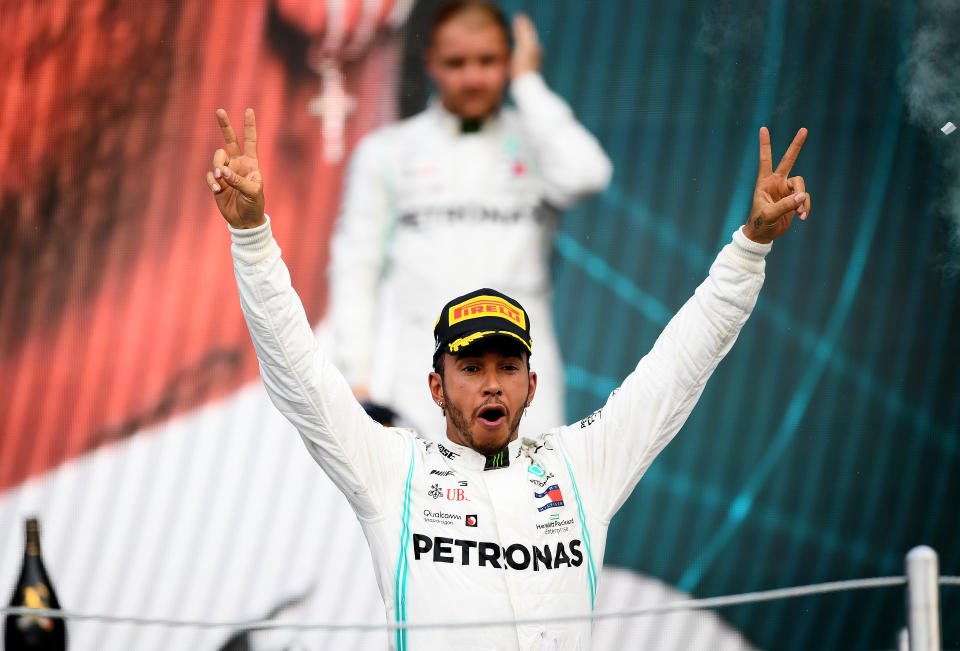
(118, 308)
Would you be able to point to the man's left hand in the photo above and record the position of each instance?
(777, 197)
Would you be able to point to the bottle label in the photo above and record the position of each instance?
(35, 596)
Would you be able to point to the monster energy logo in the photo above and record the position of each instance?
(499, 460)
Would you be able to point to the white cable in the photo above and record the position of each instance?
(687, 604)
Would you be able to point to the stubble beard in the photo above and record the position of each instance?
(462, 425)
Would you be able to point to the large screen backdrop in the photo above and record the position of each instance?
(131, 418)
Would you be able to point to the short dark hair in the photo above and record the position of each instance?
(451, 9)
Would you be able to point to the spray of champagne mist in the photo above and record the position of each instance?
(933, 99)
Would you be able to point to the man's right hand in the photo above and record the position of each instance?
(235, 178)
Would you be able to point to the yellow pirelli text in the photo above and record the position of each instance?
(480, 306)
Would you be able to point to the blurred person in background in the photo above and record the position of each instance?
(469, 186)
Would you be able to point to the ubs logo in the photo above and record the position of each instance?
(452, 494)
(457, 495)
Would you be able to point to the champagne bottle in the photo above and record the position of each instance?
(34, 590)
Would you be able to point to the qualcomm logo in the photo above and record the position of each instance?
(440, 517)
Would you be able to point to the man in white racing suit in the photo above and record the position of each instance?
(488, 525)
(469, 172)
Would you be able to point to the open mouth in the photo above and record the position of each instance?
(492, 415)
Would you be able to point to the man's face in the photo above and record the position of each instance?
(469, 62)
(484, 393)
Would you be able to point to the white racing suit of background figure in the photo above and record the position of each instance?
(451, 541)
(429, 213)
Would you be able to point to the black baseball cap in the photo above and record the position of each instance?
(480, 315)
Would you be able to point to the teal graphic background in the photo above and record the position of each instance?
(824, 448)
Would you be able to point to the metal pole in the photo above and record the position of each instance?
(923, 599)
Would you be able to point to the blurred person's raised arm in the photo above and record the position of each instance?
(570, 160)
(357, 257)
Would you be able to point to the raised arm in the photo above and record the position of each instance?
(356, 453)
(614, 447)
(570, 160)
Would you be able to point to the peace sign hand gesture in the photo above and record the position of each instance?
(777, 197)
(235, 179)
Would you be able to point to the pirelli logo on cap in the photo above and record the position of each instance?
(492, 314)
(480, 306)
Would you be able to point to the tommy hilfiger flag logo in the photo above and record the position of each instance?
(553, 492)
